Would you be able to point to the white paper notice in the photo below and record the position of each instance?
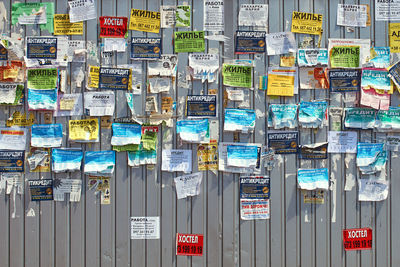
(12, 138)
(80, 10)
(114, 44)
(175, 160)
(99, 103)
(372, 190)
(213, 15)
(167, 16)
(76, 51)
(145, 227)
(342, 142)
(387, 9)
(188, 185)
(8, 93)
(280, 43)
(37, 17)
(253, 15)
(71, 186)
(69, 105)
(352, 15)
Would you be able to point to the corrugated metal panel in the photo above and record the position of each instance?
(89, 234)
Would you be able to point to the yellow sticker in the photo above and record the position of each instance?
(62, 26)
(67, 104)
(307, 23)
(20, 119)
(280, 85)
(94, 77)
(207, 157)
(145, 21)
(84, 130)
(10, 73)
(394, 37)
(288, 60)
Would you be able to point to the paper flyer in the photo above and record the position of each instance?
(362, 118)
(46, 135)
(201, 106)
(183, 16)
(99, 103)
(12, 161)
(81, 10)
(71, 186)
(33, 13)
(113, 27)
(242, 120)
(311, 179)
(283, 142)
(352, 15)
(41, 189)
(372, 190)
(282, 115)
(388, 120)
(63, 159)
(188, 185)
(253, 15)
(145, 48)
(189, 41)
(168, 16)
(313, 78)
(207, 157)
(126, 134)
(144, 20)
(176, 160)
(145, 227)
(342, 142)
(280, 43)
(114, 78)
(314, 151)
(69, 105)
(223, 159)
(11, 94)
(250, 42)
(237, 75)
(193, 131)
(41, 47)
(42, 78)
(313, 114)
(99, 162)
(307, 23)
(86, 130)
(312, 57)
(254, 209)
(242, 156)
(42, 99)
(63, 26)
(387, 10)
(13, 138)
(213, 16)
(341, 80)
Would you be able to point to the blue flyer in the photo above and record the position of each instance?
(193, 130)
(361, 118)
(341, 80)
(388, 120)
(42, 99)
(381, 58)
(243, 120)
(145, 48)
(250, 42)
(242, 156)
(283, 142)
(377, 79)
(126, 134)
(371, 157)
(114, 78)
(311, 179)
(283, 116)
(46, 135)
(142, 157)
(41, 47)
(201, 106)
(41, 189)
(312, 114)
(254, 187)
(312, 56)
(12, 161)
(99, 162)
(64, 159)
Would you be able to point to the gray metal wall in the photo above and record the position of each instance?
(89, 234)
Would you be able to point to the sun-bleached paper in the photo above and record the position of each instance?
(63, 186)
(352, 15)
(176, 160)
(188, 185)
(372, 190)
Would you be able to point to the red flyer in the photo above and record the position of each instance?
(189, 245)
(357, 239)
(113, 27)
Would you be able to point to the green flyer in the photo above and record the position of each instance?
(42, 78)
(192, 41)
(149, 140)
(182, 16)
(345, 57)
(34, 13)
(237, 75)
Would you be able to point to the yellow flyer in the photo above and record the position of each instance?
(394, 37)
(207, 157)
(307, 23)
(84, 130)
(280, 85)
(145, 21)
(94, 77)
(62, 26)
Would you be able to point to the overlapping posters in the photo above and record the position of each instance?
(371, 157)
(207, 157)
(183, 16)
(282, 115)
(73, 187)
(12, 161)
(352, 15)
(372, 190)
(63, 26)
(11, 94)
(126, 134)
(311, 179)
(343, 53)
(253, 15)
(308, 57)
(102, 185)
(41, 47)
(223, 159)
(168, 16)
(283, 142)
(344, 56)
(42, 99)
(46, 135)
(188, 185)
(113, 27)
(86, 130)
(41, 189)
(313, 114)
(200, 106)
(176, 160)
(69, 105)
(313, 78)
(13, 72)
(99, 103)
(39, 159)
(314, 151)
(145, 48)
(388, 120)
(342, 142)
(376, 79)
(254, 197)
(145, 227)
(237, 75)
(213, 19)
(81, 10)
(21, 119)
(387, 10)
(204, 66)
(189, 41)
(307, 23)
(243, 120)
(114, 78)
(342, 80)
(362, 118)
(166, 66)
(242, 156)
(144, 20)
(42, 78)
(99, 162)
(250, 42)
(63, 159)
(12, 138)
(281, 43)
(394, 37)
(33, 13)
(193, 131)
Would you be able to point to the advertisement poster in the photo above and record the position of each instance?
(145, 227)
(12, 161)
(313, 196)
(201, 106)
(254, 209)
(99, 103)
(344, 57)
(204, 66)
(41, 47)
(314, 151)
(39, 159)
(73, 187)
(42, 78)
(81, 10)
(362, 118)
(254, 187)
(223, 159)
(63, 159)
(145, 21)
(346, 46)
(168, 16)
(46, 135)
(242, 120)
(357, 239)
(189, 41)
(283, 142)
(63, 26)
(42, 99)
(126, 134)
(69, 105)
(376, 79)
(308, 57)
(145, 48)
(372, 190)
(282, 115)
(99, 162)
(101, 184)
(380, 57)
(11, 94)
(313, 114)
(237, 75)
(342, 142)
(250, 42)
(188, 185)
(183, 16)
(387, 10)
(352, 15)
(41, 189)
(207, 157)
(114, 78)
(176, 160)
(388, 120)
(313, 78)
(12, 138)
(84, 130)
(213, 16)
(189, 245)
(242, 156)
(33, 13)
(344, 80)
(113, 27)
(193, 131)
(311, 179)
(371, 157)
(253, 15)
(307, 23)
(280, 85)
(281, 43)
